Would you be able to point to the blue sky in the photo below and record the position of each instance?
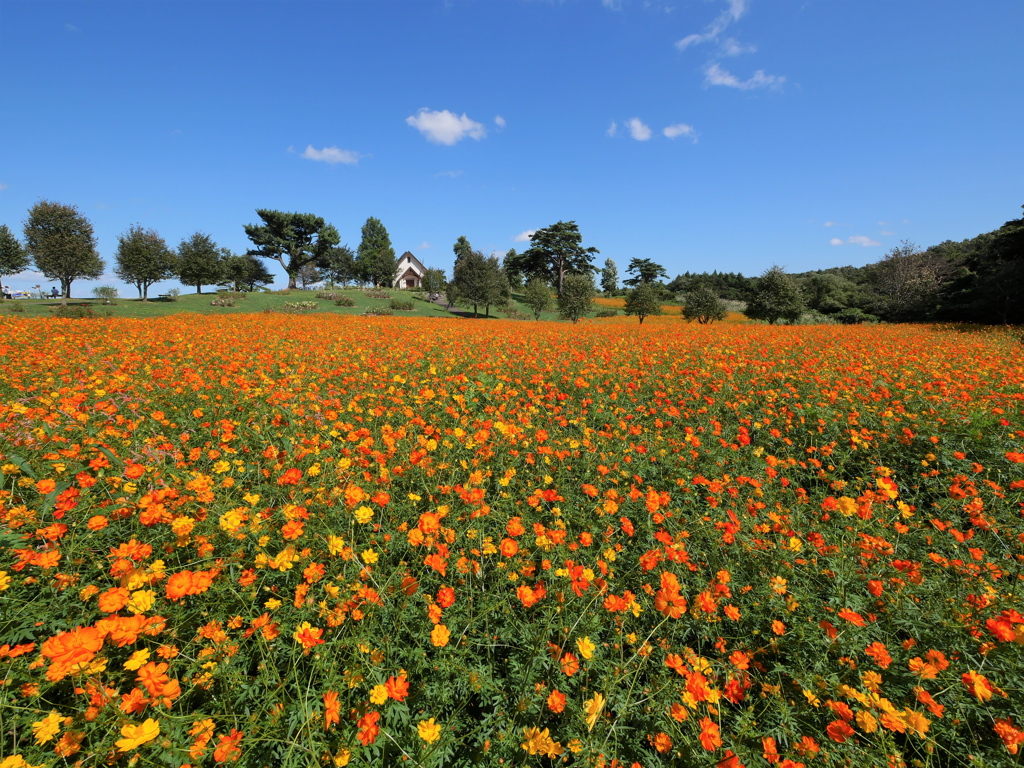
(702, 134)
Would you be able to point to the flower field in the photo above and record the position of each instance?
(376, 541)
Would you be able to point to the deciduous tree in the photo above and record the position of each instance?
(13, 257)
(291, 239)
(776, 297)
(537, 296)
(703, 305)
(434, 281)
(244, 272)
(61, 243)
(644, 271)
(643, 301)
(341, 267)
(199, 261)
(143, 259)
(577, 296)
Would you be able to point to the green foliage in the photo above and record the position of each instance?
(577, 297)
(478, 280)
(555, 252)
(375, 258)
(644, 271)
(173, 294)
(292, 239)
(13, 256)
(776, 297)
(643, 301)
(200, 262)
(606, 313)
(243, 272)
(404, 305)
(434, 281)
(703, 305)
(537, 296)
(609, 277)
(143, 258)
(61, 243)
(510, 268)
(908, 282)
(105, 293)
(340, 266)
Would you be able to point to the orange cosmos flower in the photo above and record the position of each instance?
(290, 477)
(839, 731)
(1011, 736)
(570, 664)
(74, 647)
(440, 635)
(508, 547)
(368, 728)
(556, 701)
(332, 709)
(308, 636)
(137, 735)
(880, 654)
(662, 742)
(227, 748)
(397, 687)
(113, 600)
(851, 616)
(978, 686)
(446, 597)
(710, 735)
(771, 752)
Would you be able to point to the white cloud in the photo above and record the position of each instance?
(884, 224)
(3, 187)
(449, 174)
(712, 31)
(887, 232)
(862, 240)
(830, 224)
(714, 74)
(331, 155)
(638, 130)
(524, 236)
(681, 129)
(855, 240)
(612, 130)
(444, 127)
(500, 122)
(423, 246)
(732, 47)
(70, 27)
(615, 5)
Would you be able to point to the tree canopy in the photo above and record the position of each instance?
(703, 305)
(291, 239)
(577, 296)
(644, 271)
(375, 258)
(609, 277)
(13, 257)
(243, 272)
(643, 301)
(555, 252)
(479, 281)
(62, 245)
(199, 261)
(537, 296)
(143, 259)
(776, 297)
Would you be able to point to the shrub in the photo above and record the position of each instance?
(105, 293)
(344, 301)
(853, 316)
(172, 294)
(405, 305)
(378, 312)
(299, 306)
(15, 306)
(607, 313)
(225, 302)
(230, 294)
(376, 293)
(72, 312)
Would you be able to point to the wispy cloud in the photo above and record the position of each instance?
(612, 130)
(500, 122)
(444, 127)
(615, 5)
(732, 47)
(735, 9)
(681, 129)
(714, 74)
(524, 236)
(423, 246)
(449, 174)
(638, 130)
(887, 232)
(855, 240)
(3, 187)
(829, 224)
(70, 28)
(331, 155)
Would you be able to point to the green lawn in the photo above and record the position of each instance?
(253, 302)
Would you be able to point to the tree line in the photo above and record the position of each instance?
(60, 243)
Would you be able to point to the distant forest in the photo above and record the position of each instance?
(979, 280)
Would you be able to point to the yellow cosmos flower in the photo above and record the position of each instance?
(586, 648)
(141, 600)
(370, 557)
(378, 695)
(137, 659)
(137, 735)
(364, 514)
(45, 729)
(5, 581)
(429, 730)
(440, 635)
(592, 707)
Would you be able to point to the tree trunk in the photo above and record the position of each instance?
(145, 293)
(65, 291)
(199, 289)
